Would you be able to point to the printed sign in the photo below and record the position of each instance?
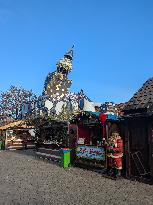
(89, 152)
(81, 141)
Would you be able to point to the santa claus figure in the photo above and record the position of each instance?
(115, 154)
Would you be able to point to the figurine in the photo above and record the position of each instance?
(115, 154)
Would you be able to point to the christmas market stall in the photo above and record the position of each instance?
(52, 139)
(17, 135)
(95, 140)
(138, 117)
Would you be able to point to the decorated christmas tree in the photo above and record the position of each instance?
(57, 84)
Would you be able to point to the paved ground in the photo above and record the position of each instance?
(26, 180)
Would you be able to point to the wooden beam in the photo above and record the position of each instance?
(127, 151)
(151, 153)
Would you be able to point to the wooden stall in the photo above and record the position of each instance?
(18, 135)
(139, 146)
(138, 129)
(51, 137)
(89, 132)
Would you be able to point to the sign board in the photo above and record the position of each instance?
(90, 152)
(81, 141)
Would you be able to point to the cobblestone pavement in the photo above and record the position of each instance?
(27, 180)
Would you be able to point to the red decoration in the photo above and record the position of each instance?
(102, 118)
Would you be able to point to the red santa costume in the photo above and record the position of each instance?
(115, 151)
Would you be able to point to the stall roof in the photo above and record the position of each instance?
(142, 98)
(96, 115)
(113, 117)
(109, 116)
(16, 124)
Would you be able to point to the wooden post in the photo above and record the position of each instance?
(127, 151)
(149, 135)
(107, 136)
(5, 139)
(151, 155)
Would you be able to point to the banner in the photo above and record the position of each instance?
(89, 152)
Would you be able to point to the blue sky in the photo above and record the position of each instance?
(113, 40)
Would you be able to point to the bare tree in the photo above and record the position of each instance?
(11, 102)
